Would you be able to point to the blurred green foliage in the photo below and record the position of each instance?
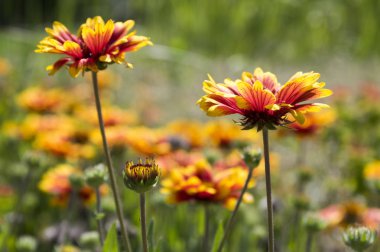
(280, 29)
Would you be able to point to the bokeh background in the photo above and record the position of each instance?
(193, 38)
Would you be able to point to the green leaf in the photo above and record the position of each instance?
(218, 237)
(110, 244)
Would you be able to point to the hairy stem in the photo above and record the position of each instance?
(99, 220)
(269, 191)
(143, 222)
(114, 187)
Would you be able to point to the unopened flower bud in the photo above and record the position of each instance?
(76, 181)
(33, 159)
(96, 176)
(251, 157)
(359, 238)
(313, 223)
(141, 177)
(26, 244)
(89, 240)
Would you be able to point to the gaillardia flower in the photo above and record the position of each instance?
(261, 100)
(96, 45)
(141, 177)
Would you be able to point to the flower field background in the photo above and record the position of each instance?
(325, 172)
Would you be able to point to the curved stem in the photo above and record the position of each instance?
(269, 191)
(114, 187)
(143, 222)
(232, 217)
(99, 221)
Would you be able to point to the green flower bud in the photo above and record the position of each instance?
(251, 157)
(359, 238)
(141, 177)
(33, 159)
(313, 223)
(96, 176)
(89, 240)
(26, 244)
(76, 181)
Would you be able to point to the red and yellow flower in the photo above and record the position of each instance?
(351, 213)
(314, 122)
(40, 99)
(261, 100)
(97, 44)
(202, 183)
(56, 182)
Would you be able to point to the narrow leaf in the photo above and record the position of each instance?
(110, 244)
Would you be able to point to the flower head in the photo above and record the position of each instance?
(97, 44)
(204, 183)
(141, 177)
(359, 238)
(261, 100)
(56, 182)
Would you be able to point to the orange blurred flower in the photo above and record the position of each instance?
(97, 45)
(191, 133)
(202, 183)
(5, 67)
(33, 124)
(116, 136)
(148, 142)
(261, 100)
(112, 115)
(68, 144)
(40, 99)
(314, 122)
(351, 213)
(56, 182)
(224, 134)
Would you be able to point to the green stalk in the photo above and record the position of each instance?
(232, 217)
(143, 222)
(309, 241)
(114, 187)
(99, 220)
(269, 191)
(206, 234)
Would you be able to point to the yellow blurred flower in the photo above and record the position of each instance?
(116, 136)
(97, 45)
(56, 182)
(41, 99)
(148, 142)
(314, 122)
(191, 132)
(225, 133)
(71, 145)
(33, 124)
(112, 115)
(203, 184)
(372, 171)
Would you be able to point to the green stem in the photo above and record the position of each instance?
(269, 191)
(309, 241)
(232, 217)
(143, 222)
(114, 187)
(206, 234)
(99, 220)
